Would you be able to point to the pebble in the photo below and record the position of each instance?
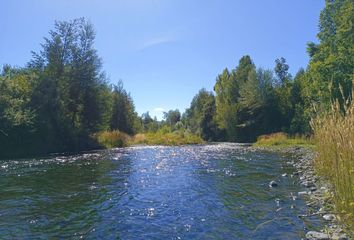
(313, 235)
(307, 183)
(303, 193)
(329, 217)
(315, 194)
(337, 236)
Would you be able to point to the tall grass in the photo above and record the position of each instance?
(334, 137)
(169, 139)
(111, 139)
(281, 139)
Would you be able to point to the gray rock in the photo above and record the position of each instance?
(338, 236)
(313, 235)
(273, 184)
(329, 217)
(312, 189)
(302, 193)
(307, 184)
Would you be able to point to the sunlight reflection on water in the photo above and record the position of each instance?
(188, 192)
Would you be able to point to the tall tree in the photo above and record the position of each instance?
(283, 93)
(227, 90)
(123, 112)
(172, 117)
(200, 116)
(330, 71)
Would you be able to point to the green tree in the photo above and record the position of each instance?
(330, 71)
(123, 111)
(227, 90)
(71, 86)
(283, 93)
(200, 116)
(172, 117)
(301, 118)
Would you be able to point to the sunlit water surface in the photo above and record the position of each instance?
(217, 191)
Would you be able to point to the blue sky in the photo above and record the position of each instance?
(166, 50)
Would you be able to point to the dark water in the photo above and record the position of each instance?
(194, 192)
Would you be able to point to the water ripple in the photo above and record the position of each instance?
(152, 192)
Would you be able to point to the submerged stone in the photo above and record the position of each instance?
(273, 184)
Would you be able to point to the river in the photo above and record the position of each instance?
(215, 191)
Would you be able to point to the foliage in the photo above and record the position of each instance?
(330, 71)
(199, 118)
(123, 110)
(172, 117)
(227, 88)
(112, 139)
(252, 102)
(62, 97)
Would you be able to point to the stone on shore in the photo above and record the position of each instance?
(313, 235)
(329, 217)
(302, 193)
(338, 236)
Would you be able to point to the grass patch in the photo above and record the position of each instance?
(168, 139)
(112, 139)
(281, 139)
(334, 138)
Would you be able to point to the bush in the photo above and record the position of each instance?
(111, 139)
(282, 139)
(166, 138)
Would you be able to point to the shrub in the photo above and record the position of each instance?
(166, 138)
(282, 139)
(111, 139)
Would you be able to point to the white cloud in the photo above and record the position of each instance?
(155, 42)
(159, 109)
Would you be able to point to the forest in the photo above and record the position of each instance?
(62, 99)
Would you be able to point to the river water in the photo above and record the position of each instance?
(216, 191)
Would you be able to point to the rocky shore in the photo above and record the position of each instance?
(318, 194)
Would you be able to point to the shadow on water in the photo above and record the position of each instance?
(217, 191)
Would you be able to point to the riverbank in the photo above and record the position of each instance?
(114, 139)
(318, 194)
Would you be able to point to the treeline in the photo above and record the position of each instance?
(61, 101)
(61, 97)
(251, 101)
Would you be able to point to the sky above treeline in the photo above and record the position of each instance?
(166, 50)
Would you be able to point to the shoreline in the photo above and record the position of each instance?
(318, 194)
